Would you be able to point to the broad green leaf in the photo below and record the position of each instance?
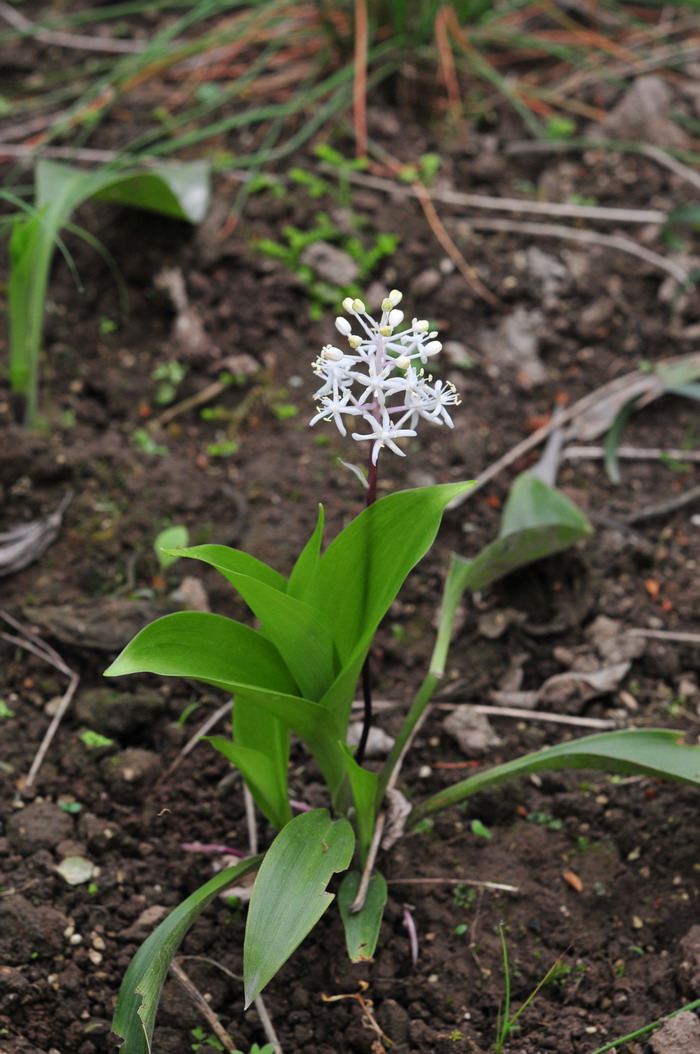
(316, 725)
(367, 563)
(208, 648)
(179, 189)
(135, 1014)
(362, 928)
(234, 562)
(258, 729)
(262, 777)
(538, 521)
(505, 555)
(302, 580)
(299, 632)
(533, 503)
(655, 752)
(289, 895)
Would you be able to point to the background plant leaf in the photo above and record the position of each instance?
(135, 1013)
(538, 521)
(289, 895)
(168, 543)
(180, 189)
(655, 752)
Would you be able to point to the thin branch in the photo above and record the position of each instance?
(266, 1022)
(31, 642)
(537, 437)
(666, 508)
(202, 1005)
(250, 820)
(203, 730)
(654, 153)
(666, 634)
(51, 730)
(574, 234)
(452, 882)
(629, 453)
(359, 900)
(68, 40)
(542, 715)
(59, 153)
(485, 201)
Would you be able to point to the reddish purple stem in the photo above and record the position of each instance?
(366, 672)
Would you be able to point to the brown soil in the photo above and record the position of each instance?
(622, 935)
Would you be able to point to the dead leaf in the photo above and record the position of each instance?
(27, 542)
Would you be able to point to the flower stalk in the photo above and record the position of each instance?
(380, 381)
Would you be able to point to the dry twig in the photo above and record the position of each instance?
(629, 453)
(574, 234)
(537, 437)
(191, 743)
(31, 642)
(202, 1005)
(68, 40)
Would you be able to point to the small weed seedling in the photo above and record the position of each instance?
(298, 673)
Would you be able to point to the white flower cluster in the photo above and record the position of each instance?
(381, 378)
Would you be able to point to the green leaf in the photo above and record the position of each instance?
(363, 784)
(366, 565)
(179, 189)
(135, 1014)
(302, 580)
(298, 631)
(289, 895)
(533, 503)
(224, 653)
(538, 521)
(362, 928)
(612, 440)
(231, 562)
(262, 776)
(655, 752)
(208, 648)
(168, 543)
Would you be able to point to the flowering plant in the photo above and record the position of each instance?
(298, 673)
(388, 367)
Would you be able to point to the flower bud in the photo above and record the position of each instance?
(387, 304)
(403, 362)
(354, 341)
(433, 347)
(421, 325)
(332, 353)
(343, 326)
(395, 296)
(385, 331)
(347, 304)
(358, 307)
(395, 318)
